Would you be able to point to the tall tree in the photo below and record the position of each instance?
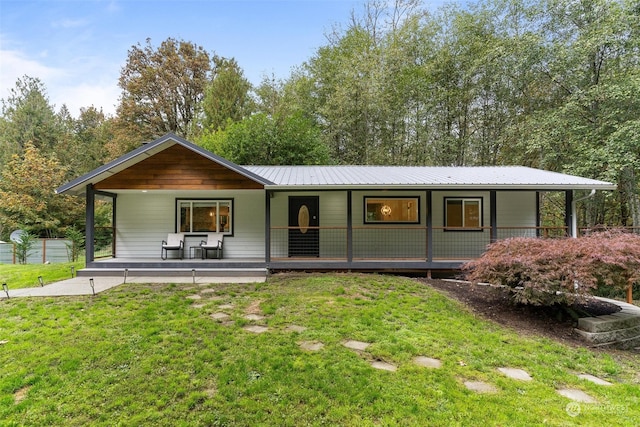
(347, 84)
(86, 147)
(590, 69)
(161, 91)
(27, 117)
(227, 95)
(262, 139)
(27, 191)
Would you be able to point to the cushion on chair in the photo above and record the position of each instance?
(174, 240)
(214, 241)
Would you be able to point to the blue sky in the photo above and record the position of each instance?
(77, 47)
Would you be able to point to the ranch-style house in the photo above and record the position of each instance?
(384, 218)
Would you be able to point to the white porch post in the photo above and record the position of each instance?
(574, 213)
(89, 224)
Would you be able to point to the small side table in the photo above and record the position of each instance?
(195, 250)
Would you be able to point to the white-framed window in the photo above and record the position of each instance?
(463, 212)
(391, 210)
(212, 216)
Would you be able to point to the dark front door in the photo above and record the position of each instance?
(304, 236)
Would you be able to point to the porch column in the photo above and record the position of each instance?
(429, 227)
(114, 224)
(89, 223)
(568, 212)
(493, 216)
(538, 218)
(349, 228)
(267, 227)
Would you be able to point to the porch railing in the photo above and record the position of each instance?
(585, 231)
(394, 242)
(104, 242)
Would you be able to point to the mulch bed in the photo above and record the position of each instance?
(495, 304)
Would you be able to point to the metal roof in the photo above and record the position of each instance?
(353, 177)
(388, 177)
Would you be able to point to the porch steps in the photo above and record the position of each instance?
(618, 330)
(173, 272)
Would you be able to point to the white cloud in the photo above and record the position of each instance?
(15, 65)
(98, 95)
(94, 84)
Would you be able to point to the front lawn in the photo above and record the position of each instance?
(18, 276)
(153, 354)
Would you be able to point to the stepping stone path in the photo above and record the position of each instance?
(21, 394)
(594, 380)
(480, 387)
(220, 316)
(356, 345)
(256, 329)
(384, 366)
(516, 374)
(423, 361)
(362, 346)
(576, 395)
(311, 345)
(207, 291)
(427, 362)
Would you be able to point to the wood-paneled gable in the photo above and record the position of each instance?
(177, 168)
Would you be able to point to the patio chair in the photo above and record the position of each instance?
(213, 243)
(174, 242)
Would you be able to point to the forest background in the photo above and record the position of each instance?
(552, 84)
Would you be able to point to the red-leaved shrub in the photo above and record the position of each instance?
(550, 271)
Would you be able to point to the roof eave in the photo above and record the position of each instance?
(484, 187)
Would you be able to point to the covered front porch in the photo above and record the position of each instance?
(363, 248)
(309, 217)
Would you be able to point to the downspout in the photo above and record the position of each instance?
(574, 216)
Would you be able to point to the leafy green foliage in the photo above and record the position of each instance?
(27, 118)
(23, 246)
(551, 271)
(85, 146)
(161, 91)
(27, 190)
(226, 96)
(264, 140)
(76, 244)
(543, 83)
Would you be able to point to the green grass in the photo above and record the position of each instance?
(141, 354)
(18, 276)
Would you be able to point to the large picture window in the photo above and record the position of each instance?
(398, 210)
(463, 213)
(205, 216)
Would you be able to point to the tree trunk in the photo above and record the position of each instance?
(629, 185)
